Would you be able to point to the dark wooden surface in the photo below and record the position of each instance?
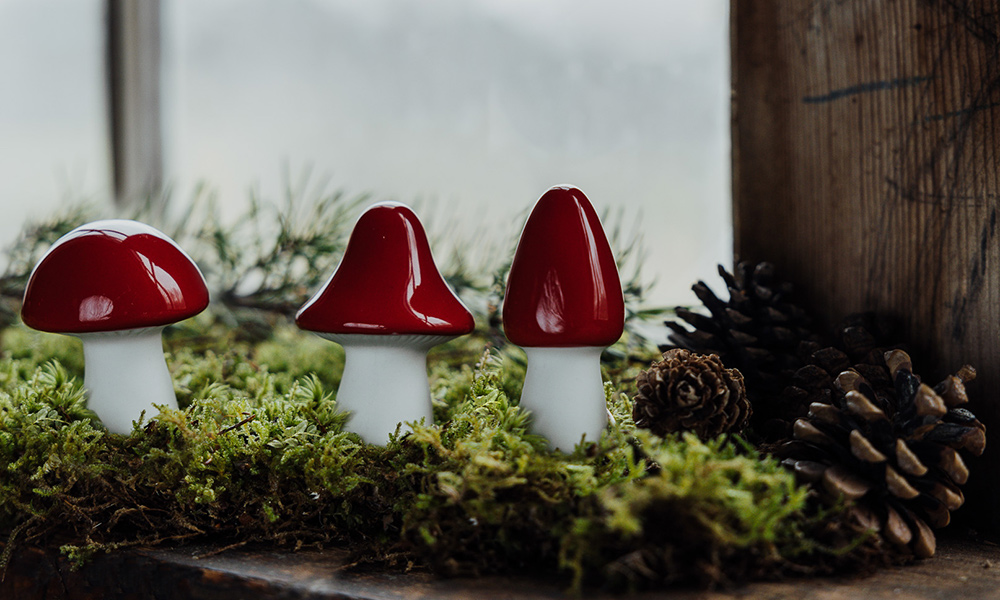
(961, 570)
(866, 139)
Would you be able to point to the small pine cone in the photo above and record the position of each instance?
(691, 392)
(893, 451)
(757, 331)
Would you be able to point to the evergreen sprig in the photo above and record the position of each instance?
(262, 265)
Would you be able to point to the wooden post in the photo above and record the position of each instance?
(866, 163)
(133, 30)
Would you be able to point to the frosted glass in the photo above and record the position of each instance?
(53, 127)
(475, 105)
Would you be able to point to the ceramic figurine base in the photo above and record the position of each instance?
(564, 391)
(384, 382)
(126, 374)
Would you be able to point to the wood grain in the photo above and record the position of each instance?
(865, 140)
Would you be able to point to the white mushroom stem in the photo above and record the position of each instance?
(564, 391)
(384, 382)
(126, 374)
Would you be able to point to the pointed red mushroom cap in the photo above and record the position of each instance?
(563, 289)
(112, 275)
(386, 283)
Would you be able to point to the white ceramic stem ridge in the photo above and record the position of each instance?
(384, 382)
(564, 391)
(126, 374)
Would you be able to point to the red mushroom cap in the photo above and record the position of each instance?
(112, 275)
(386, 283)
(563, 289)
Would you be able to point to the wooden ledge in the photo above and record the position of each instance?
(962, 569)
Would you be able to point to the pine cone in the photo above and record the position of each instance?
(691, 392)
(757, 331)
(814, 382)
(892, 450)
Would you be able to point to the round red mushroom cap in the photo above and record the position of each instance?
(386, 283)
(563, 289)
(112, 275)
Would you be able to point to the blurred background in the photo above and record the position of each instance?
(469, 109)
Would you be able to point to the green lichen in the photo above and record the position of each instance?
(258, 453)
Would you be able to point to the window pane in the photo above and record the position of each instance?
(53, 125)
(474, 103)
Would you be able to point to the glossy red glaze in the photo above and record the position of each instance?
(563, 289)
(112, 275)
(387, 283)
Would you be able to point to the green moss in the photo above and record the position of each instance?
(297, 355)
(700, 512)
(27, 349)
(258, 453)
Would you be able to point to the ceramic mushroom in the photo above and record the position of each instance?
(387, 305)
(115, 285)
(564, 304)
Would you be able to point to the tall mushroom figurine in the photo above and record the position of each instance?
(116, 284)
(387, 305)
(564, 304)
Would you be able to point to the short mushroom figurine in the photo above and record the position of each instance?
(387, 305)
(564, 304)
(116, 284)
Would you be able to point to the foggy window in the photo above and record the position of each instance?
(475, 106)
(53, 135)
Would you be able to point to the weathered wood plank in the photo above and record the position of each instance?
(866, 167)
(962, 569)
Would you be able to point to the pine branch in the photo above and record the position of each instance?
(262, 266)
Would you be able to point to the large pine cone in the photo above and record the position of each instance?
(757, 331)
(691, 392)
(893, 450)
(854, 347)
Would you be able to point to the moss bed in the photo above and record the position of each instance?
(258, 454)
